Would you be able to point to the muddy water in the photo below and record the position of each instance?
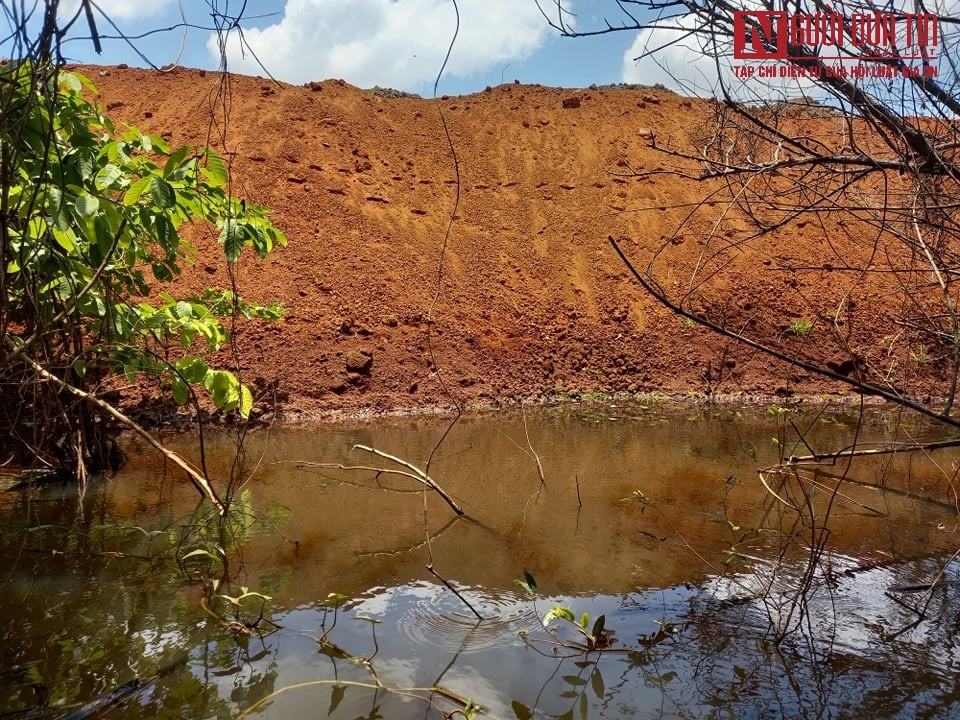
(651, 516)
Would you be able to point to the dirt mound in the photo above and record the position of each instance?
(530, 298)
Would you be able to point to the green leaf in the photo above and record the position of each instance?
(528, 583)
(584, 621)
(231, 237)
(199, 552)
(559, 612)
(174, 161)
(181, 393)
(193, 369)
(86, 205)
(103, 235)
(71, 82)
(79, 367)
(162, 193)
(65, 239)
(136, 190)
(334, 600)
(521, 711)
(246, 402)
(107, 176)
(58, 209)
(574, 680)
(598, 626)
(224, 389)
(216, 170)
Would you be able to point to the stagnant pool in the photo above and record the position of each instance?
(348, 593)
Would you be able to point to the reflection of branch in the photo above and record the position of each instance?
(406, 692)
(403, 551)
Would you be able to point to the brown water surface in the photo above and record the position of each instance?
(652, 516)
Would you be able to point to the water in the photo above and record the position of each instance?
(651, 516)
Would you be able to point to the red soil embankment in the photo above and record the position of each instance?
(532, 298)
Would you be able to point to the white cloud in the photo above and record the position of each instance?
(118, 10)
(694, 64)
(672, 58)
(396, 43)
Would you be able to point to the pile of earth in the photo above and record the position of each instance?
(414, 277)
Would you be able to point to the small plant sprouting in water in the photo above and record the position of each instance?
(596, 638)
(801, 326)
(240, 624)
(637, 496)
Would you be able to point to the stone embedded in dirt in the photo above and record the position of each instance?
(296, 179)
(390, 320)
(359, 361)
(571, 102)
(652, 99)
(315, 86)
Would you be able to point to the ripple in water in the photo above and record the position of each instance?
(431, 616)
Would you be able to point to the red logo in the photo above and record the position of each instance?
(755, 33)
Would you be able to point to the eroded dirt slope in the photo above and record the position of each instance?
(532, 299)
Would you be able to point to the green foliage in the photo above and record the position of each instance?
(597, 638)
(528, 583)
(801, 326)
(94, 219)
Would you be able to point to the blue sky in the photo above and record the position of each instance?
(394, 43)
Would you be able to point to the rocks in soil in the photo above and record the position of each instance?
(359, 362)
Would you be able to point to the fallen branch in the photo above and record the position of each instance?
(889, 449)
(418, 475)
(199, 481)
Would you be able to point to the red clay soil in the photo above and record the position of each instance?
(530, 300)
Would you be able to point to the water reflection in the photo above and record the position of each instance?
(654, 519)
